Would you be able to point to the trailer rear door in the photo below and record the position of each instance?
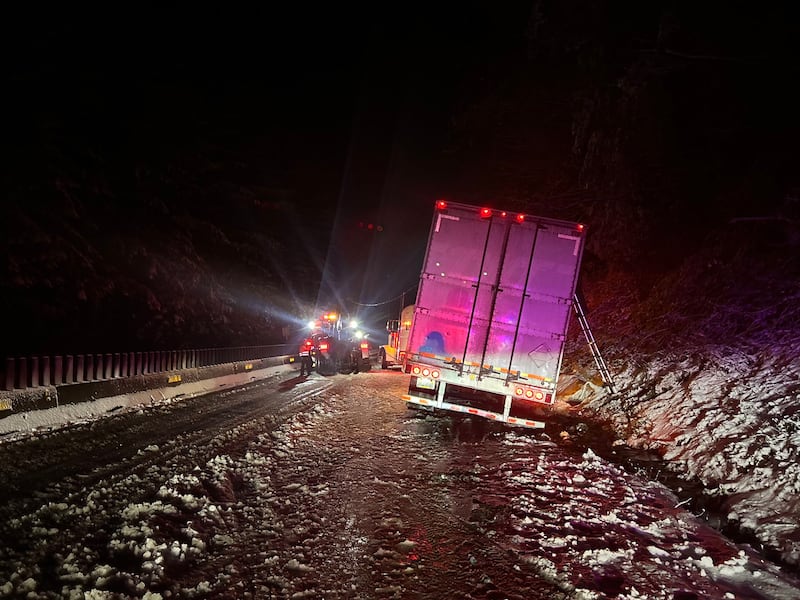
(496, 292)
(534, 300)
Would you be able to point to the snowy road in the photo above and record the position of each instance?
(331, 488)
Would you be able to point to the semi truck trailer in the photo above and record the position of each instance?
(491, 314)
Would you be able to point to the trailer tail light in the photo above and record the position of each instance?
(520, 218)
(534, 394)
(486, 212)
(426, 372)
(441, 204)
(580, 226)
(364, 346)
(323, 347)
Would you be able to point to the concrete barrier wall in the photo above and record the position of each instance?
(101, 376)
(36, 371)
(24, 410)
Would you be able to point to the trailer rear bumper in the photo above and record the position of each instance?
(471, 410)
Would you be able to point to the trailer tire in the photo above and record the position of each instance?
(325, 367)
(346, 367)
(382, 359)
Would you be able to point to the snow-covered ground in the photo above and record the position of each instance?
(355, 497)
(728, 418)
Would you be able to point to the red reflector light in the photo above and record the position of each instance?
(415, 370)
(486, 212)
(520, 218)
(441, 204)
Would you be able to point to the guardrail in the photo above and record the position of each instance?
(36, 371)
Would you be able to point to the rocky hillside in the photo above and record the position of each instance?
(163, 228)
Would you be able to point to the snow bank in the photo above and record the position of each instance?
(728, 419)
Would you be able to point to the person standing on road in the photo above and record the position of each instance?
(306, 360)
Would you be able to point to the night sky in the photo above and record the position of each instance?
(129, 127)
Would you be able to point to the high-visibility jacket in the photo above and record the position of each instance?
(307, 348)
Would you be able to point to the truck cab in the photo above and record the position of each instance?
(391, 354)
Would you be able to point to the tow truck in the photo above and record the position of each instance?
(338, 347)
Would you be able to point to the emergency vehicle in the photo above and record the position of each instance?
(338, 345)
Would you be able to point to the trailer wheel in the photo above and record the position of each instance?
(382, 359)
(325, 366)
